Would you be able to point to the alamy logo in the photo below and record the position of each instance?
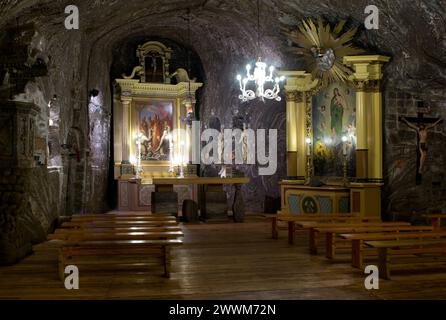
(372, 280)
(72, 20)
(372, 20)
(234, 146)
(72, 279)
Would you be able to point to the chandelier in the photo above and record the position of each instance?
(261, 79)
(267, 85)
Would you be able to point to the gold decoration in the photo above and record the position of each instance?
(323, 49)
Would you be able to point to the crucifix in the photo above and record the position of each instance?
(421, 125)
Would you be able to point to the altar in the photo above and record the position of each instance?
(334, 140)
(152, 134)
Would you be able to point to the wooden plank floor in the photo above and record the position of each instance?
(218, 261)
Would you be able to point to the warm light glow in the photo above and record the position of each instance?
(344, 139)
(308, 140)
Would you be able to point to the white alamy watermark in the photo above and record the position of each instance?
(372, 280)
(72, 20)
(371, 22)
(230, 146)
(72, 279)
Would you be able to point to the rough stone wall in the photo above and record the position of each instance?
(402, 197)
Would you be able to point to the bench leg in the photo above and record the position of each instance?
(383, 260)
(357, 254)
(313, 241)
(330, 245)
(274, 231)
(166, 260)
(291, 232)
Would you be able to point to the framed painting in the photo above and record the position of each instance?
(334, 118)
(153, 121)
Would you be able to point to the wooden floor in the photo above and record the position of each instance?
(219, 261)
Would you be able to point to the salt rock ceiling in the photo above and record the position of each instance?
(413, 32)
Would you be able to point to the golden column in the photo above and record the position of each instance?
(366, 77)
(361, 131)
(297, 84)
(301, 134)
(376, 167)
(291, 138)
(126, 166)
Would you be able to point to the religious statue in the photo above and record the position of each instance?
(137, 71)
(422, 130)
(181, 75)
(337, 106)
(244, 141)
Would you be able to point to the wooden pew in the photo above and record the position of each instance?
(358, 240)
(291, 218)
(119, 218)
(118, 223)
(316, 229)
(332, 234)
(414, 246)
(87, 229)
(124, 214)
(132, 235)
(72, 249)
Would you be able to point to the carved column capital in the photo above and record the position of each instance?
(360, 85)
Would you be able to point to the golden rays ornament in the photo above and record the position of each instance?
(324, 48)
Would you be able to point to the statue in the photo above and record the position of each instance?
(244, 141)
(137, 71)
(422, 130)
(181, 75)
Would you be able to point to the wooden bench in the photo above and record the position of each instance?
(71, 249)
(118, 223)
(104, 217)
(132, 235)
(89, 229)
(316, 229)
(388, 248)
(291, 218)
(331, 235)
(358, 239)
(436, 219)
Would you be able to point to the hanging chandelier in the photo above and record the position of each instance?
(261, 80)
(267, 84)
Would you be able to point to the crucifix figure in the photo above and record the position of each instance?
(421, 125)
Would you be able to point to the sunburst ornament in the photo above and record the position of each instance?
(324, 49)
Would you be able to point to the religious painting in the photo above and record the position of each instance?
(155, 123)
(334, 130)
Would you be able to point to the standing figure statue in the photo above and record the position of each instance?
(244, 141)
